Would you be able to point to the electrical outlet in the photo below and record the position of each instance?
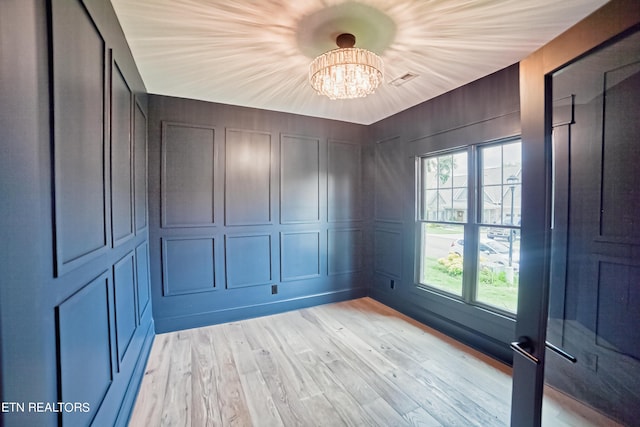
(274, 289)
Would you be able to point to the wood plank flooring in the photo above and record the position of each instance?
(352, 363)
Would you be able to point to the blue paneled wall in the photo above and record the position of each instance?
(75, 308)
(251, 212)
(484, 110)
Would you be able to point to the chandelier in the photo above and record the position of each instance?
(347, 72)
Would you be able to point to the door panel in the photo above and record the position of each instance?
(547, 253)
(594, 303)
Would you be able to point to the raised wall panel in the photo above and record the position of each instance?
(79, 140)
(299, 179)
(248, 260)
(389, 188)
(299, 255)
(188, 265)
(621, 154)
(84, 351)
(125, 303)
(344, 251)
(247, 178)
(121, 158)
(188, 172)
(140, 167)
(388, 252)
(142, 277)
(344, 181)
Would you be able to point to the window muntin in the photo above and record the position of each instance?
(444, 188)
(500, 185)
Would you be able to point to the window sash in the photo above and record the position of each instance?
(441, 198)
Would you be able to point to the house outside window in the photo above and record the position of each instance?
(468, 222)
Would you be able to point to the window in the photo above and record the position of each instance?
(469, 247)
(443, 213)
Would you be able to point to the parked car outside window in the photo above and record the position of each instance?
(502, 233)
(491, 253)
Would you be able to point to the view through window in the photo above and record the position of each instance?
(470, 246)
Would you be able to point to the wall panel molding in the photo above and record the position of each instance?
(84, 348)
(501, 127)
(188, 175)
(389, 172)
(248, 259)
(248, 177)
(344, 174)
(616, 303)
(271, 213)
(188, 265)
(140, 162)
(344, 249)
(143, 285)
(68, 79)
(124, 303)
(82, 225)
(122, 227)
(299, 255)
(299, 179)
(618, 212)
(388, 252)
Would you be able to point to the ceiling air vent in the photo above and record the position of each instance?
(398, 81)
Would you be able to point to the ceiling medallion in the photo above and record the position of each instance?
(347, 72)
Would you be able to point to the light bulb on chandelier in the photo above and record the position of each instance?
(346, 72)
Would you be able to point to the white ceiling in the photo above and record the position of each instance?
(256, 53)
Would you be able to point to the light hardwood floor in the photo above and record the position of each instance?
(352, 363)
